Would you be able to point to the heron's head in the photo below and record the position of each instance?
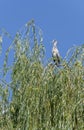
(54, 42)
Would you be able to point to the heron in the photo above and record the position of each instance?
(55, 53)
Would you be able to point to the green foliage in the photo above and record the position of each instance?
(43, 97)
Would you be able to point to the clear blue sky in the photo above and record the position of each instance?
(59, 19)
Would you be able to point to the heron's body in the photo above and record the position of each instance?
(55, 53)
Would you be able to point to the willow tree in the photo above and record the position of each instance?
(43, 97)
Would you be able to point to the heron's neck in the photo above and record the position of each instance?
(55, 45)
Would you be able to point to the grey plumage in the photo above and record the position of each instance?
(55, 53)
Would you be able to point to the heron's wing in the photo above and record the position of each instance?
(58, 58)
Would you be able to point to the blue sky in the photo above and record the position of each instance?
(59, 19)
